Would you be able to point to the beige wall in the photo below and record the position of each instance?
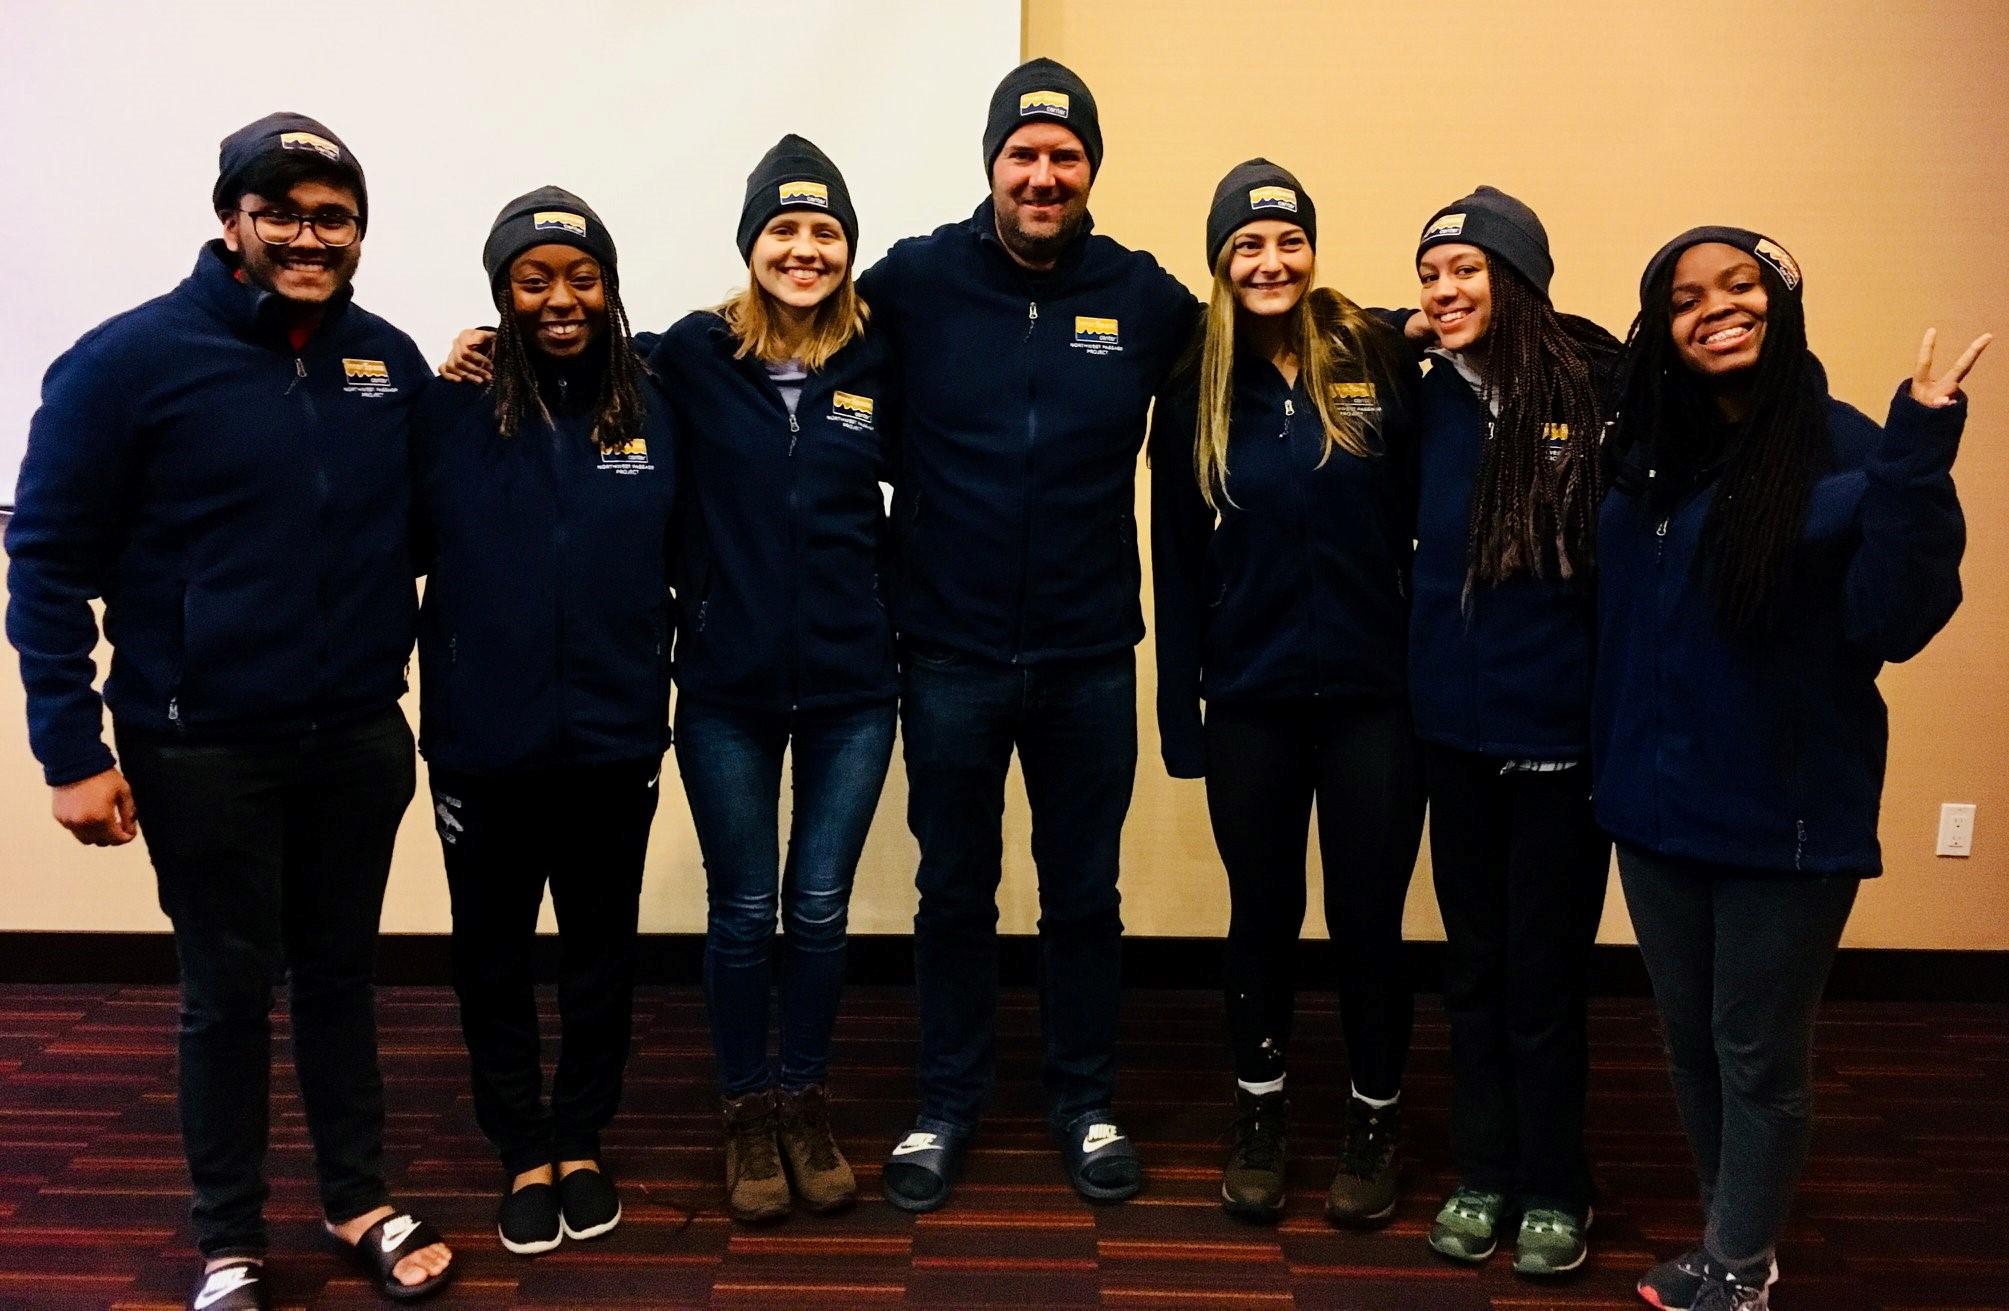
(1864, 135)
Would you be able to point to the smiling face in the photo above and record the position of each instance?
(800, 257)
(560, 298)
(304, 270)
(1457, 289)
(1269, 266)
(1717, 306)
(1039, 191)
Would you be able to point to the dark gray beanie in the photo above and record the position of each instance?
(546, 216)
(1498, 224)
(275, 134)
(794, 174)
(1253, 190)
(1041, 90)
(1751, 243)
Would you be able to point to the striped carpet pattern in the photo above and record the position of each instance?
(1905, 1206)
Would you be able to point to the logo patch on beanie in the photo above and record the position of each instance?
(366, 377)
(558, 220)
(1097, 336)
(805, 193)
(1446, 225)
(1043, 102)
(1782, 264)
(851, 410)
(320, 145)
(1273, 198)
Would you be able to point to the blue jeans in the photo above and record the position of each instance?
(1074, 725)
(731, 765)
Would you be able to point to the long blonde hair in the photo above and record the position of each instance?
(1336, 343)
(752, 318)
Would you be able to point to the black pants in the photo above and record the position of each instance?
(584, 830)
(1520, 867)
(1265, 764)
(1738, 960)
(271, 860)
(1074, 726)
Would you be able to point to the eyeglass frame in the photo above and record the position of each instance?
(302, 222)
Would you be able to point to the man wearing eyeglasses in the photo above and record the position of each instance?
(225, 467)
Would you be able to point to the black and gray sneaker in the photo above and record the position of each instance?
(1678, 1285)
(528, 1222)
(1252, 1182)
(1370, 1165)
(588, 1204)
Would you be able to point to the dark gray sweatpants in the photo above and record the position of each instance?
(1738, 959)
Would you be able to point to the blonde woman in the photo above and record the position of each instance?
(1282, 513)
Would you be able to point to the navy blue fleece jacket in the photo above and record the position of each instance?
(1298, 589)
(545, 635)
(239, 504)
(779, 580)
(1767, 752)
(1023, 403)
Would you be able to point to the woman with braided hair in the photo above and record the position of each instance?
(1282, 506)
(544, 525)
(1512, 409)
(1764, 550)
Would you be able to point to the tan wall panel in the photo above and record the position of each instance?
(1864, 135)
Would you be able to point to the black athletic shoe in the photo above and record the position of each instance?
(528, 1222)
(588, 1204)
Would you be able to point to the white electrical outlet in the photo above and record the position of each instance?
(1956, 829)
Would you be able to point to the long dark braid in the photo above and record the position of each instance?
(1534, 504)
(618, 410)
(1669, 425)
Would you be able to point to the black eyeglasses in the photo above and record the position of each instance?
(278, 227)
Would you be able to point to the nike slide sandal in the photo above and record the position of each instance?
(389, 1241)
(233, 1286)
(1101, 1162)
(922, 1167)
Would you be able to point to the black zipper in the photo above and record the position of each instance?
(1025, 497)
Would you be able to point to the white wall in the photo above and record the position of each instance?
(653, 112)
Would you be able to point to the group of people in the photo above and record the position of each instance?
(1568, 590)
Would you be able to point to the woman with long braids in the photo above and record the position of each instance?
(1764, 550)
(544, 508)
(1511, 413)
(786, 650)
(1281, 516)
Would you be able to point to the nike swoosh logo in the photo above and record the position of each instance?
(223, 1283)
(1098, 1137)
(397, 1231)
(915, 1142)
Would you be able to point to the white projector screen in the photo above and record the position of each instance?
(652, 112)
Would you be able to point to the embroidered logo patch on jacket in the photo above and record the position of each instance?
(1097, 336)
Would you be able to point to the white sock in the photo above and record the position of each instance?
(1260, 1089)
(1376, 1102)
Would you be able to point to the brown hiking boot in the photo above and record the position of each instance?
(1370, 1165)
(818, 1170)
(1252, 1183)
(755, 1190)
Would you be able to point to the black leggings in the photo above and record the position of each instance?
(1520, 867)
(1738, 959)
(1265, 764)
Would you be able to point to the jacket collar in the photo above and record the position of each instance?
(246, 308)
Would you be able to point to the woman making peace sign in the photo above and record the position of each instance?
(1765, 549)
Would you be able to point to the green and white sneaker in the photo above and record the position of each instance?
(1551, 1242)
(1468, 1225)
